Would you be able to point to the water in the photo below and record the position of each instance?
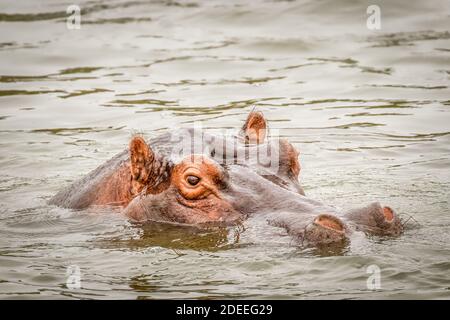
(368, 109)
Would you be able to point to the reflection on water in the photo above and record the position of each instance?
(367, 109)
(176, 237)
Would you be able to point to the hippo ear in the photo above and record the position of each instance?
(147, 168)
(289, 163)
(141, 156)
(255, 128)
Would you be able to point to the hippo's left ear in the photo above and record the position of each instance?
(148, 169)
(255, 128)
(141, 156)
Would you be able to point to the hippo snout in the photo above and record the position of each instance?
(325, 229)
(376, 219)
(312, 230)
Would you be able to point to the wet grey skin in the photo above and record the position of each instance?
(246, 188)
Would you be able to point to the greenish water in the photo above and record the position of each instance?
(368, 109)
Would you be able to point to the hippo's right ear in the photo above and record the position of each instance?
(255, 128)
(147, 168)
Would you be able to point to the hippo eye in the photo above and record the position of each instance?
(192, 180)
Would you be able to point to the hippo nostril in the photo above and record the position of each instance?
(388, 214)
(329, 222)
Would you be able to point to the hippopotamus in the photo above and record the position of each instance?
(193, 177)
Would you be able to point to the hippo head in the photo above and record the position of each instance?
(217, 184)
(193, 191)
(232, 177)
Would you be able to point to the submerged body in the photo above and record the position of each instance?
(195, 178)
